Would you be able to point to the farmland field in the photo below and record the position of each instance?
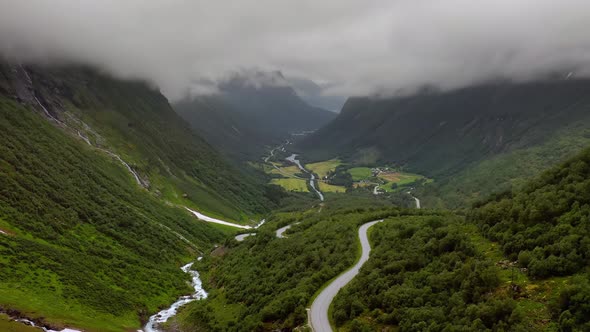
(291, 184)
(360, 173)
(399, 178)
(289, 171)
(329, 188)
(323, 168)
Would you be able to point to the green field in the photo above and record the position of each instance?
(330, 188)
(289, 171)
(400, 179)
(360, 173)
(323, 168)
(291, 184)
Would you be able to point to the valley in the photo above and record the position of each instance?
(319, 311)
(238, 206)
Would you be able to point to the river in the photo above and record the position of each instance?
(164, 315)
(293, 158)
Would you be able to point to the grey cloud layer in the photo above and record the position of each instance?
(358, 47)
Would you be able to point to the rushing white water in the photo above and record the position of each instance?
(116, 156)
(84, 138)
(164, 315)
(293, 158)
(31, 323)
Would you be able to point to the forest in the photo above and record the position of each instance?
(424, 275)
(266, 282)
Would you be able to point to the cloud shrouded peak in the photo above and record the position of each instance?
(355, 47)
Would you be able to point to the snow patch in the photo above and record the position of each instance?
(216, 221)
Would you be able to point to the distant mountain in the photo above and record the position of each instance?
(452, 133)
(250, 112)
(311, 92)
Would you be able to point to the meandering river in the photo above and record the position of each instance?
(293, 158)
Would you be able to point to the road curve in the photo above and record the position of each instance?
(415, 199)
(320, 321)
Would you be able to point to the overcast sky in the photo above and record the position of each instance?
(354, 47)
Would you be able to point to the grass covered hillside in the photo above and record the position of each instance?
(137, 123)
(505, 171)
(80, 243)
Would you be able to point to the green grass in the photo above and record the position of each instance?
(291, 184)
(400, 179)
(324, 167)
(289, 171)
(43, 304)
(360, 173)
(329, 188)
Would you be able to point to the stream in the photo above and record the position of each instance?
(292, 158)
(164, 315)
(31, 323)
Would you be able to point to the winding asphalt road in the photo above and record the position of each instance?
(415, 199)
(320, 321)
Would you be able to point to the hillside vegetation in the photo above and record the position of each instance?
(425, 274)
(265, 283)
(519, 263)
(472, 141)
(137, 123)
(82, 244)
(544, 228)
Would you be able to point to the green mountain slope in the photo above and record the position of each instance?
(81, 243)
(228, 130)
(544, 228)
(446, 136)
(251, 113)
(137, 123)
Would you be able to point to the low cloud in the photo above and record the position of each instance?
(355, 47)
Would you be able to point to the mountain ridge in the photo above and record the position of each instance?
(251, 113)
